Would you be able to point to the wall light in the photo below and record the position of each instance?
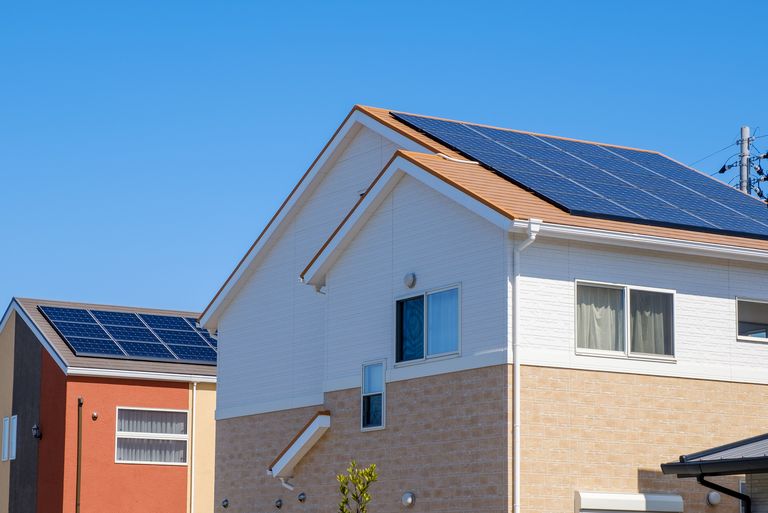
(410, 280)
(409, 499)
(37, 432)
(713, 498)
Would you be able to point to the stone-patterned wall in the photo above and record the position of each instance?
(445, 440)
(608, 432)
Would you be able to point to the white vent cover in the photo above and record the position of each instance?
(595, 502)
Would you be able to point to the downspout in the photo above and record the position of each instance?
(533, 230)
(78, 479)
(746, 500)
(192, 437)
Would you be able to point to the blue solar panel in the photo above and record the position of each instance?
(112, 334)
(131, 333)
(146, 350)
(604, 181)
(165, 322)
(67, 314)
(117, 318)
(94, 346)
(194, 353)
(80, 329)
(190, 338)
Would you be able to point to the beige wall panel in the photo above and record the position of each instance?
(204, 440)
(609, 432)
(445, 440)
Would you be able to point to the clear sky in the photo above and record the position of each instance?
(145, 144)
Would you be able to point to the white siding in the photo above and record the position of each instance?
(415, 230)
(271, 334)
(705, 309)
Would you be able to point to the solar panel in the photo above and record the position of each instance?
(598, 180)
(111, 334)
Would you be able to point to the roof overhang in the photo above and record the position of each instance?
(748, 456)
(355, 120)
(282, 466)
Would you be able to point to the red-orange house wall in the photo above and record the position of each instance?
(50, 456)
(119, 487)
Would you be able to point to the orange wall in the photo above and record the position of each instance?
(108, 486)
(50, 456)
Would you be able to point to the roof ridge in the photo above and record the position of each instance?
(96, 306)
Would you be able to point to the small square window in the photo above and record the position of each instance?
(428, 325)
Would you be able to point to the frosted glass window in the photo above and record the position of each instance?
(151, 436)
(6, 432)
(443, 322)
(12, 437)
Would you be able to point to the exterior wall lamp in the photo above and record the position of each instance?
(37, 432)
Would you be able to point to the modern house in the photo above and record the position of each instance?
(105, 409)
(500, 320)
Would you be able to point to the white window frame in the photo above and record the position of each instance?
(6, 440)
(383, 363)
(12, 437)
(627, 352)
(153, 436)
(427, 357)
(744, 338)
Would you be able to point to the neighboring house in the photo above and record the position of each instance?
(100, 415)
(430, 286)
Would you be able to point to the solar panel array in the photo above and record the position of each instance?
(137, 336)
(598, 180)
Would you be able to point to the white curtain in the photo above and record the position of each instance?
(651, 322)
(149, 421)
(443, 322)
(600, 318)
(146, 450)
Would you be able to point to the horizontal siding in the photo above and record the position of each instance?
(705, 310)
(414, 230)
(271, 335)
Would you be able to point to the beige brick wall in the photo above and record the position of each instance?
(448, 439)
(608, 432)
(445, 440)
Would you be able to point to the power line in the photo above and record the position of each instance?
(712, 154)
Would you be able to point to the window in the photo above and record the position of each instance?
(427, 325)
(12, 437)
(372, 396)
(6, 433)
(752, 320)
(607, 316)
(151, 436)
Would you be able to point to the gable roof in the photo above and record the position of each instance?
(71, 364)
(490, 189)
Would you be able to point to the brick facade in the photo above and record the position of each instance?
(448, 439)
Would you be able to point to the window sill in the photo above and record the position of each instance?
(428, 359)
(372, 428)
(753, 340)
(624, 356)
(164, 464)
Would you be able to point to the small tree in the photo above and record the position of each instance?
(353, 487)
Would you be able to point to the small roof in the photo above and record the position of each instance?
(748, 456)
(30, 312)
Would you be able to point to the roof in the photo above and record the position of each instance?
(503, 195)
(28, 308)
(748, 456)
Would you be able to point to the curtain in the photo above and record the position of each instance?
(600, 318)
(443, 322)
(651, 322)
(410, 329)
(147, 450)
(149, 421)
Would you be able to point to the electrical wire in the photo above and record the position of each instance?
(711, 155)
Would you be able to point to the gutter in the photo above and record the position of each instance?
(193, 440)
(534, 226)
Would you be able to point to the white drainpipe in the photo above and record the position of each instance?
(193, 436)
(533, 230)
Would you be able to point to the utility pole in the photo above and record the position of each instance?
(744, 184)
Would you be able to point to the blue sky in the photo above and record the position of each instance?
(144, 145)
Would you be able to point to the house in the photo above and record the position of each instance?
(500, 320)
(105, 409)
